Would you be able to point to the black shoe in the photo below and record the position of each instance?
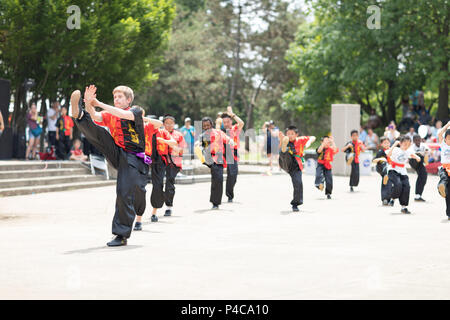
(230, 200)
(138, 226)
(117, 242)
(385, 202)
(215, 207)
(420, 199)
(168, 213)
(328, 196)
(295, 209)
(406, 211)
(391, 203)
(351, 189)
(154, 218)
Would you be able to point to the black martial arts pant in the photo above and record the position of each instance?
(216, 184)
(131, 176)
(421, 178)
(400, 187)
(158, 173)
(232, 173)
(169, 192)
(354, 174)
(52, 138)
(323, 175)
(444, 179)
(297, 183)
(288, 163)
(386, 189)
(63, 146)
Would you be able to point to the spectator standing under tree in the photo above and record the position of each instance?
(424, 118)
(374, 120)
(188, 132)
(408, 119)
(34, 132)
(411, 133)
(52, 116)
(272, 143)
(64, 135)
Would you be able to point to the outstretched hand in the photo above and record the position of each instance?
(90, 94)
(230, 111)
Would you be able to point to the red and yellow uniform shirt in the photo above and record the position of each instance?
(356, 148)
(213, 141)
(153, 147)
(234, 133)
(64, 125)
(297, 149)
(326, 157)
(177, 157)
(127, 134)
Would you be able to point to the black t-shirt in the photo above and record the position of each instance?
(133, 132)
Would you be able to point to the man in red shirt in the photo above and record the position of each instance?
(210, 150)
(231, 154)
(123, 147)
(64, 135)
(291, 160)
(325, 152)
(161, 142)
(354, 148)
(174, 164)
(156, 147)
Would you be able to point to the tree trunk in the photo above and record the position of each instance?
(391, 101)
(237, 60)
(443, 112)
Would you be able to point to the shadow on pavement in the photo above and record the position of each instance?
(104, 249)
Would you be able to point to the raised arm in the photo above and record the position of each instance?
(2, 124)
(171, 142)
(310, 141)
(154, 122)
(233, 116)
(320, 149)
(120, 113)
(389, 153)
(442, 131)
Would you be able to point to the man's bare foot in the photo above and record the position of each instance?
(74, 100)
(442, 191)
(284, 143)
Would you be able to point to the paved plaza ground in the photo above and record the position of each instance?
(53, 245)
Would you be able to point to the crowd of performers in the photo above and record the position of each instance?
(135, 144)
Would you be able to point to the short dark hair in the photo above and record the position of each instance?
(416, 136)
(168, 116)
(447, 133)
(404, 138)
(225, 115)
(208, 119)
(323, 138)
(354, 131)
(293, 128)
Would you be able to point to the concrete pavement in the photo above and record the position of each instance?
(350, 247)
